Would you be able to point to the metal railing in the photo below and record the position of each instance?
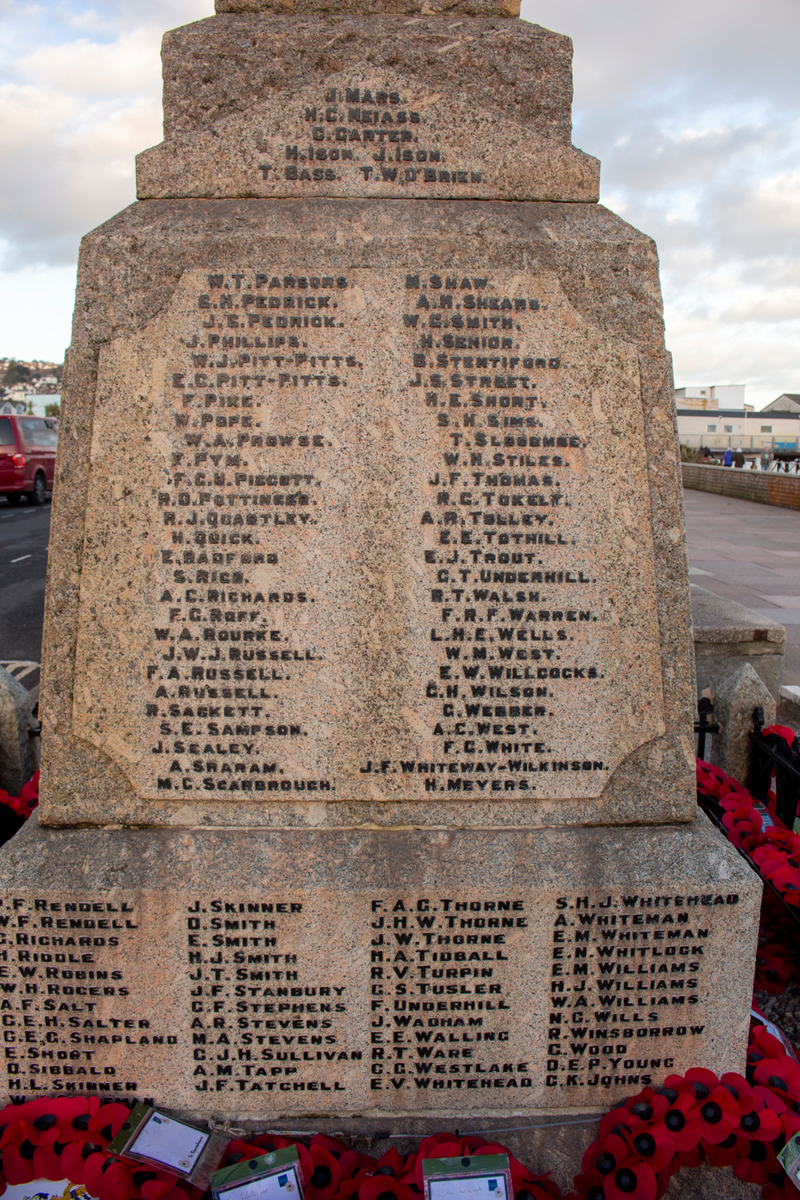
(704, 726)
(775, 767)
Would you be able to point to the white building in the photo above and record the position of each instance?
(728, 395)
(723, 429)
(38, 402)
(789, 402)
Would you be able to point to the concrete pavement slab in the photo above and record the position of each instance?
(745, 552)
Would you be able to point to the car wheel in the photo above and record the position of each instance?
(13, 498)
(39, 493)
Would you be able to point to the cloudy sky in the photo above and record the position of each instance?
(693, 108)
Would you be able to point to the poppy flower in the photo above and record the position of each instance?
(106, 1123)
(74, 1159)
(758, 1165)
(322, 1179)
(656, 1149)
(18, 1160)
(440, 1145)
(591, 1186)
(632, 1181)
(771, 1100)
(781, 1074)
(767, 1045)
(692, 1158)
(783, 1191)
(700, 1077)
(47, 1163)
(109, 1178)
(351, 1162)
(239, 1151)
(348, 1188)
(726, 1153)
(719, 1115)
(332, 1145)
(676, 1085)
(470, 1143)
(741, 825)
(644, 1104)
(538, 1187)
(741, 1091)
(680, 1123)
(383, 1187)
(392, 1160)
(605, 1155)
(759, 1126)
(617, 1118)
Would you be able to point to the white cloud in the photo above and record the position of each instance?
(91, 68)
(74, 112)
(693, 110)
(37, 312)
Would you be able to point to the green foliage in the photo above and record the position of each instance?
(17, 373)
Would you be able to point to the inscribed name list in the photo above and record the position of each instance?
(390, 538)
(394, 1002)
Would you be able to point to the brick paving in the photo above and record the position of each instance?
(749, 553)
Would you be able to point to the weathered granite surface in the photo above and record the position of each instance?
(789, 707)
(472, 8)
(735, 699)
(367, 104)
(374, 973)
(568, 550)
(232, 63)
(727, 635)
(311, 141)
(368, 568)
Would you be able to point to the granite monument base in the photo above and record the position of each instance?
(272, 975)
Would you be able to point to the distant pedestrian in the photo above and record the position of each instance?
(738, 458)
(727, 457)
(764, 460)
(707, 455)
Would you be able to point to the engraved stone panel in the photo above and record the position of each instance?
(348, 536)
(545, 985)
(374, 507)
(231, 64)
(363, 134)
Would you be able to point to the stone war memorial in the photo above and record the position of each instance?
(368, 775)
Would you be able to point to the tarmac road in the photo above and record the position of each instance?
(24, 536)
(749, 553)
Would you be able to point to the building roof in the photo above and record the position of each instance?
(722, 414)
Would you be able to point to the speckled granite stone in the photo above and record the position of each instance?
(368, 571)
(367, 104)
(367, 975)
(469, 603)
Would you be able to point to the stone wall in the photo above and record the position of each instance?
(781, 490)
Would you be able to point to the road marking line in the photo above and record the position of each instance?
(16, 560)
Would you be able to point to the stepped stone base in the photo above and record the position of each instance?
(288, 974)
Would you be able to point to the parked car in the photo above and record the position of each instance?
(27, 457)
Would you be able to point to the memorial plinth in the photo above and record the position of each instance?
(368, 776)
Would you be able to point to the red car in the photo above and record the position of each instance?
(27, 457)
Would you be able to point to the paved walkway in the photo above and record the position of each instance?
(749, 553)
